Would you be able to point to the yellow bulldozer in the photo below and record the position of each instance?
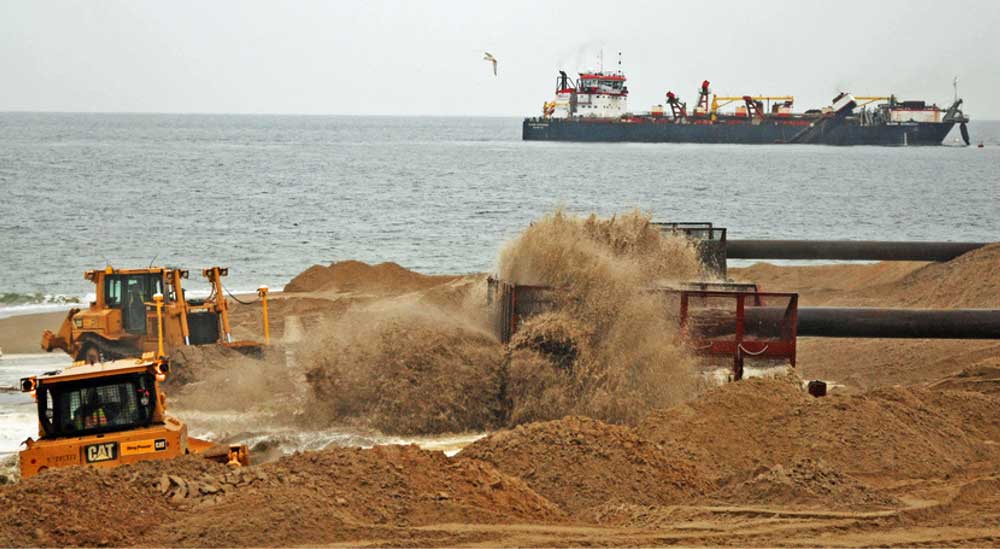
(122, 321)
(107, 414)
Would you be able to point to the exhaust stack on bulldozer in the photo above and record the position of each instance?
(122, 321)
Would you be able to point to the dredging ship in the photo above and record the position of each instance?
(594, 108)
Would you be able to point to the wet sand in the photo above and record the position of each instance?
(23, 333)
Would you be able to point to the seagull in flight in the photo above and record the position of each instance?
(487, 56)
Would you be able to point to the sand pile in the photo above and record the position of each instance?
(824, 284)
(611, 344)
(92, 507)
(971, 280)
(342, 494)
(581, 463)
(345, 276)
(407, 371)
(310, 498)
(806, 482)
(891, 433)
(248, 321)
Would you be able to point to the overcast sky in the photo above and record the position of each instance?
(417, 58)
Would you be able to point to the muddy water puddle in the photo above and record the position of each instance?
(270, 437)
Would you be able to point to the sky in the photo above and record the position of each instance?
(426, 58)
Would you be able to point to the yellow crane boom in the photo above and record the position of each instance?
(722, 101)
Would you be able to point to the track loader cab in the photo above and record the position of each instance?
(107, 414)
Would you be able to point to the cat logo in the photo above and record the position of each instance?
(161, 444)
(106, 451)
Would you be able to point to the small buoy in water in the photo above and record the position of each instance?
(816, 388)
(980, 145)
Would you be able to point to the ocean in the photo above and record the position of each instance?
(269, 196)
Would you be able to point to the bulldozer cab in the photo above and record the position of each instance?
(97, 405)
(130, 293)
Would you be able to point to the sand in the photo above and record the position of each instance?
(581, 464)
(882, 436)
(316, 498)
(23, 333)
(905, 451)
(575, 481)
(970, 280)
(352, 275)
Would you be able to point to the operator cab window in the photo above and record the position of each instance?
(121, 288)
(113, 291)
(74, 409)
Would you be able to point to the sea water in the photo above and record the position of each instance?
(18, 415)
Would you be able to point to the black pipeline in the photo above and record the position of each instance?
(863, 322)
(899, 323)
(848, 250)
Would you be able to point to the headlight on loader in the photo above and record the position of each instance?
(28, 384)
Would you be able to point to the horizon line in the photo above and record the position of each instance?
(5, 111)
(355, 115)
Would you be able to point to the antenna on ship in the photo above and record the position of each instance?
(954, 84)
(619, 62)
(600, 61)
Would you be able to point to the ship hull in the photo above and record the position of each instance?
(842, 132)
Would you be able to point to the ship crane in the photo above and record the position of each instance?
(679, 109)
(703, 91)
(753, 103)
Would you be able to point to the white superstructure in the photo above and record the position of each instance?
(593, 95)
